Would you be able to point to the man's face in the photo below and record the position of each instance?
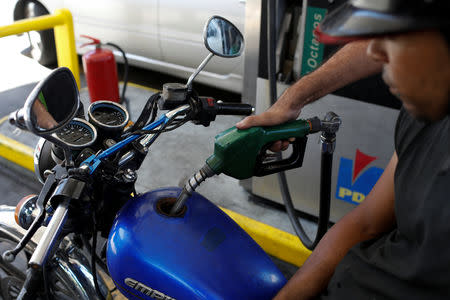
(416, 67)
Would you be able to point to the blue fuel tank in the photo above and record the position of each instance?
(202, 254)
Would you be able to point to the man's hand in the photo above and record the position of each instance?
(281, 112)
(277, 114)
(270, 117)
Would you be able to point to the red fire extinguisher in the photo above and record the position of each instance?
(101, 72)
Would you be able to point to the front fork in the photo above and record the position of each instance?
(43, 251)
(68, 263)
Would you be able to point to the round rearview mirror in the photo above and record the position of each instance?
(52, 103)
(222, 38)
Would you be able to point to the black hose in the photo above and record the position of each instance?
(97, 259)
(327, 158)
(326, 166)
(324, 210)
(125, 75)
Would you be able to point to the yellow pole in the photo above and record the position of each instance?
(62, 23)
(65, 44)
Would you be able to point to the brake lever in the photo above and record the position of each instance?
(10, 255)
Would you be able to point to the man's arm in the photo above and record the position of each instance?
(374, 216)
(349, 64)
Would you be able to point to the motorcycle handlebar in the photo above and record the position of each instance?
(234, 109)
(17, 118)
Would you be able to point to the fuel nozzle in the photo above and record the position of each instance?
(190, 186)
(241, 153)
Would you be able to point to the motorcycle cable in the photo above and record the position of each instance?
(148, 112)
(164, 127)
(93, 256)
(172, 123)
(45, 281)
(172, 126)
(87, 244)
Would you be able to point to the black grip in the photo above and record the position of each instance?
(263, 168)
(234, 109)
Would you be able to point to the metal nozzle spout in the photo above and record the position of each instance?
(184, 195)
(190, 187)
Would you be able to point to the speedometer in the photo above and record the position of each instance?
(77, 134)
(108, 115)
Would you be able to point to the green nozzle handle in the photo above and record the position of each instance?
(236, 151)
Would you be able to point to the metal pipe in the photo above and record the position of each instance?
(61, 21)
(190, 187)
(202, 65)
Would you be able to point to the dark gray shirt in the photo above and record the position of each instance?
(413, 260)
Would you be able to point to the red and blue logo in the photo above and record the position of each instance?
(355, 180)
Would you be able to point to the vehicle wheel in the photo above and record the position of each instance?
(42, 43)
(12, 275)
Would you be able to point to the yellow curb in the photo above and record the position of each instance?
(142, 87)
(2, 120)
(16, 152)
(275, 242)
(133, 85)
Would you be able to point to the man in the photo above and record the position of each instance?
(396, 244)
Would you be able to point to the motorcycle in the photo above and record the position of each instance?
(169, 243)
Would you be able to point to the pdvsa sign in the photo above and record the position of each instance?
(355, 181)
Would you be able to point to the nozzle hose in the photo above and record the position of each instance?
(190, 187)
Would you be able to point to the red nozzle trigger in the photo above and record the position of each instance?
(93, 42)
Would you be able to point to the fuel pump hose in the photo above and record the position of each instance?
(326, 161)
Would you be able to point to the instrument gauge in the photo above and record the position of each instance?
(77, 134)
(108, 115)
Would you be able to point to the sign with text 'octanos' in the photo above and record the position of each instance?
(312, 50)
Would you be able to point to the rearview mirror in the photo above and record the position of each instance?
(222, 38)
(51, 105)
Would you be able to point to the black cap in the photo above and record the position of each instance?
(366, 18)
